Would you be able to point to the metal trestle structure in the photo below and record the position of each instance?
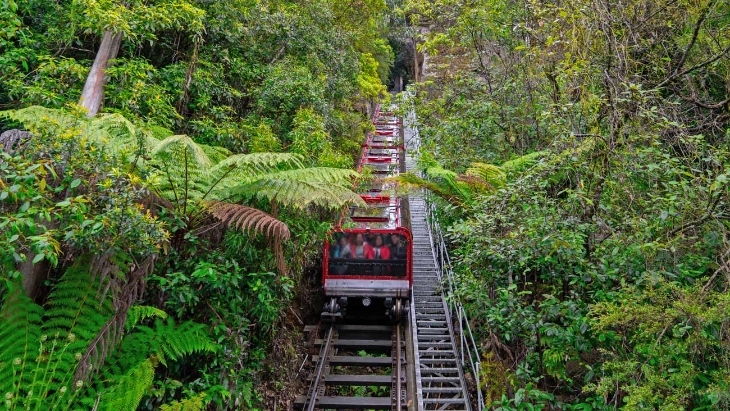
(439, 374)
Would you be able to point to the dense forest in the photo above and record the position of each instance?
(169, 175)
(595, 263)
(170, 168)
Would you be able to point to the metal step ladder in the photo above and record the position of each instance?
(442, 385)
(439, 374)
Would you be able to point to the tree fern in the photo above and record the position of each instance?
(248, 166)
(410, 181)
(128, 391)
(113, 132)
(300, 188)
(247, 219)
(520, 164)
(180, 152)
(182, 168)
(491, 174)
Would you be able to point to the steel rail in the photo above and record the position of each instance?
(398, 365)
(346, 337)
(323, 359)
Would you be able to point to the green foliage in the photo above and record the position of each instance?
(196, 403)
(63, 189)
(288, 87)
(137, 20)
(262, 139)
(20, 335)
(10, 22)
(596, 272)
(56, 82)
(678, 350)
(368, 80)
(41, 349)
(135, 91)
(311, 140)
(130, 388)
(231, 76)
(237, 304)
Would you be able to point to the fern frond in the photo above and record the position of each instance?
(178, 341)
(329, 175)
(138, 313)
(491, 174)
(72, 306)
(247, 219)
(112, 132)
(196, 403)
(53, 340)
(261, 163)
(448, 182)
(520, 164)
(302, 194)
(74, 318)
(164, 340)
(300, 188)
(129, 389)
(215, 153)
(36, 118)
(247, 167)
(183, 169)
(439, 172)
(119, 134)
(181, 151)
(410, 181)
(20, 338)
(475, 184)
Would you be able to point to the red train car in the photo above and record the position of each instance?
(368, 260)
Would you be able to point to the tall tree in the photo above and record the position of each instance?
(134, 20)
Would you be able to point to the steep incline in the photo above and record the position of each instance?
(439, 375)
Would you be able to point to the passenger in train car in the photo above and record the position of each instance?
(343, 249)
(380, 251)
(398, 249)
(360, 249)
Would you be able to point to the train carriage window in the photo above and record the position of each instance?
(368, 254)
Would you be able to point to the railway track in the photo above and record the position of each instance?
(359, 367)
(425, 361)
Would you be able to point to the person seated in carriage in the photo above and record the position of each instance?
(360, 249)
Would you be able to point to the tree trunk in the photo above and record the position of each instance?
(33, 275)
(93, 93)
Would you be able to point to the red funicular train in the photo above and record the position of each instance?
(368, 260)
